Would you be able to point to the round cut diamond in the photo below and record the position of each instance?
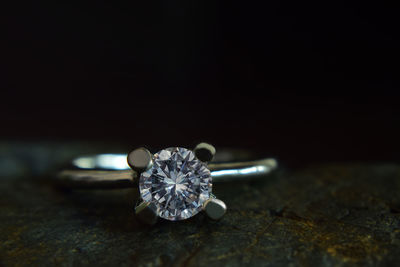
(178, 183)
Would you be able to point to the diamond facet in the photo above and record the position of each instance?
(178, 183)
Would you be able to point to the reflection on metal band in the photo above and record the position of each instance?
(102, 161)
(244, 171)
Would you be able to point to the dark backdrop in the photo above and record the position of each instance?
(300, 80)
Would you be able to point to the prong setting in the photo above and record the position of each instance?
(180, 170)
(146, 212)
(215, 208)
(140, 159)
(204, 152)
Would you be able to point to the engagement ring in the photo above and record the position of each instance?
(174, 184)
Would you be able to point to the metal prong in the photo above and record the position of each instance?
(215, 208)
(140, 159)
(204, 152)
(146, 212)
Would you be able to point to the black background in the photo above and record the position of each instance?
(303, 81)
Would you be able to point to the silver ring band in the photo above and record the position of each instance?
(111, 171)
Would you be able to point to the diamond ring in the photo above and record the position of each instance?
(174, 184)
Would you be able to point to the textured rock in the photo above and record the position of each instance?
(325, 215)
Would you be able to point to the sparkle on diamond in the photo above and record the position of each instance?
(178, 183)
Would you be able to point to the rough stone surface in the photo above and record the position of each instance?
(177, 183)
(324, 215)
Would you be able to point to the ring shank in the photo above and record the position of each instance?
(110, 171)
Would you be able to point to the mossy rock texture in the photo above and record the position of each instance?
(333, 214)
